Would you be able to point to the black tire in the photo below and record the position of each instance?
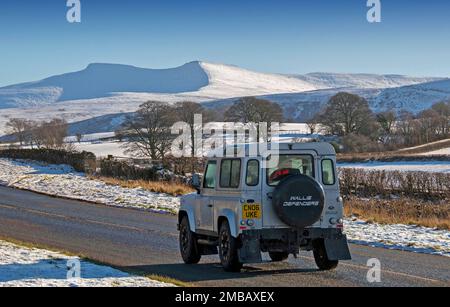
(228, 249)
(188, 243)
(278, 256)
(321, 257)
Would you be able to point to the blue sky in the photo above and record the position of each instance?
(286, 36)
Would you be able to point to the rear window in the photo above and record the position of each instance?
(302, 163)
(230, 173)
(252, 178)
(328, 172)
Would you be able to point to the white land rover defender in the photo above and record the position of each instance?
(242, 209)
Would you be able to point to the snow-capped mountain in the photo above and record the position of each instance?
(360, 81)
(101, 80)
(104, 80)
(206, 81)
(104, 92)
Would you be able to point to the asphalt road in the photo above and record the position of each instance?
(148, 243)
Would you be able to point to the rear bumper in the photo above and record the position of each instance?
(297, 234)
(291, 241)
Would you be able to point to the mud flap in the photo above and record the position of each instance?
(337, 248)
(250, 252)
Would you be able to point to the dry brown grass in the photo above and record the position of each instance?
(408, 154)
(170, 188)
(400, 211)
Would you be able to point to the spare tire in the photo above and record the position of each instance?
(299, 201)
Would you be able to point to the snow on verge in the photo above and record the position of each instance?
(399, 237)
(402, 166)
(63, 181)
(30, 267)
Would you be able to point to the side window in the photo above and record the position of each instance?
(328, 172)
(210, 175)
(252, 178)
(230, 173)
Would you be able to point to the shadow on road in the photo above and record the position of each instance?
(208, 271)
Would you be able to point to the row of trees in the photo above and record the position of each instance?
(148, 132)
(44, 134)
(360, 129)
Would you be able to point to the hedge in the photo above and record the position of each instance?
(81, 162)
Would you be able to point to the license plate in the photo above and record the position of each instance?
(251, 211)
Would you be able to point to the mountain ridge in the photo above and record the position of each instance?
(102, 89)
(98, 80)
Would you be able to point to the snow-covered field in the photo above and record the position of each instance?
(90, 137)
(31, 267)
(406, 166)
(102, 149)
(63, 181)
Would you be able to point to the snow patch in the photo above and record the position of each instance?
(31, 267)
(403, 166)
(63, 181)
(399, 237)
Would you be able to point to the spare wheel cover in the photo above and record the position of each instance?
(299, 201)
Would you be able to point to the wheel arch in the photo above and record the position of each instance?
(190, 216)
(229, 216)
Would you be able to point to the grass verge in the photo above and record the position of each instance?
(169, 280)
(400, 211)
(170, 188)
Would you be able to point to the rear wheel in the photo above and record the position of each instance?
(321, 257)
(188, 243)
(278, 256)
(228, 249)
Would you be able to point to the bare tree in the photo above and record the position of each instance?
(406, 127)
(148, 131)
(443, 111)
(18, 128)
(312, 126)
(254, 110)
(387, 121)
(79, 137)
(53, 133)
(348, 114)
(119, 134)
(49, 135)
(186, 112)
(429, 121)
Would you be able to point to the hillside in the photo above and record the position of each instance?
(87, 96)
(360, 81)
(414, 98)
(103, 80)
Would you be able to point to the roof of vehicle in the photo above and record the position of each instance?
(321, 148)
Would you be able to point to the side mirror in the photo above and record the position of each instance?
(196, 182)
